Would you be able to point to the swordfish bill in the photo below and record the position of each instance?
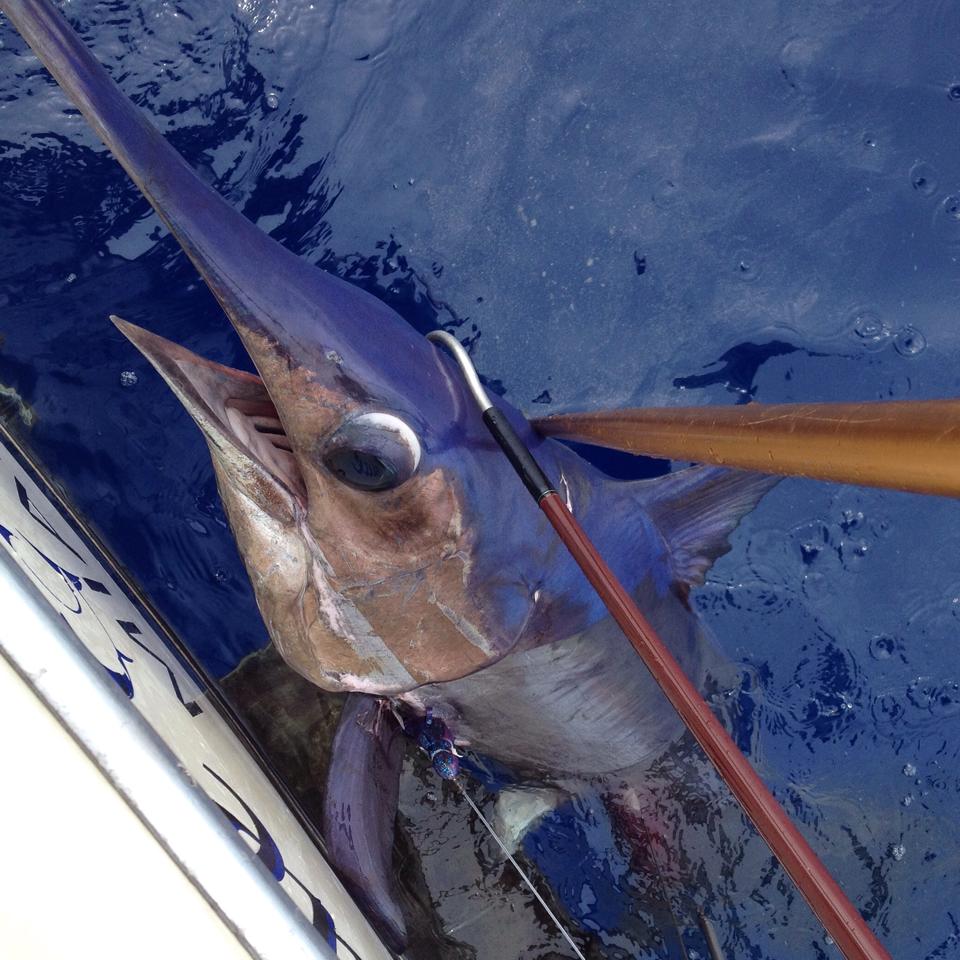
(276, 301)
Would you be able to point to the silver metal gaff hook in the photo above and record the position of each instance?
(466, 365)
(498, 422)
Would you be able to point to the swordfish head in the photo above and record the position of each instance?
(355, 471)
(358, 512)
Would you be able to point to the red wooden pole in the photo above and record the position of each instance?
(837, 914)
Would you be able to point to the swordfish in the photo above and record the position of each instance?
(392, 552)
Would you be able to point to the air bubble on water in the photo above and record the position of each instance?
(909, 341)
(880, 526)
(923, 178)
(909, 770)
(951, 206)
(887, 711)
(851, 519)
(867, 325)
(746, 266)
(273, 99)
(128, 378)
(851, 552)
(922, 693)
(810, 551)
(945, 700)
(882, 647)
(898, 851)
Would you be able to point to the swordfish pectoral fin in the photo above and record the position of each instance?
(360, 807)
(697, 509)
(520, 809)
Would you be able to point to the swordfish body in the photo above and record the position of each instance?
(391, 549)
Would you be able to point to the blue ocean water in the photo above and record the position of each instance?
(644, 203)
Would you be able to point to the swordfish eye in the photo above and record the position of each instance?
(373, 452)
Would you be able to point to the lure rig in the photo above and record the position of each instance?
(436, 741)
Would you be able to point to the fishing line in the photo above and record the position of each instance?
(543, 903)
(436, 741)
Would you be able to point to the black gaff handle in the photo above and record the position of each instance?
(529, 471)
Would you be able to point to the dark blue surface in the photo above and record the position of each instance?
(658, 205)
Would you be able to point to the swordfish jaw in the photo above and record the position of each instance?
(354, 470)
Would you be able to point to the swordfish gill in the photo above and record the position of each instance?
(391, 549)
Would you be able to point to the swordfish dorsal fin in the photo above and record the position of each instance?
(697, 509)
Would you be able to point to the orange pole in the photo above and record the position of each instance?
(903, 444)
